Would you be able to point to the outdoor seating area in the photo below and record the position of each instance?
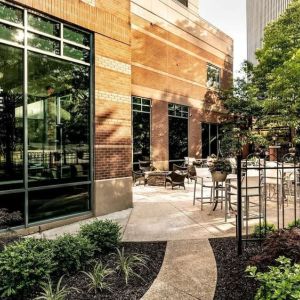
(269, 190)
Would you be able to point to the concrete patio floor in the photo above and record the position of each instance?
(163, 214)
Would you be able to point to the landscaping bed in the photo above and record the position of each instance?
(272, 267)
(136, 286)
(232, 282)
(94, 264)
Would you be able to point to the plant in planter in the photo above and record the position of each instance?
(219, 169)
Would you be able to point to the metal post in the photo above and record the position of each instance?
(239, 204)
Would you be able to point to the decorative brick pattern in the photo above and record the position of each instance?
(101, 95)
(112, 64)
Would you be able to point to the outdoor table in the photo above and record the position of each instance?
(157, 178)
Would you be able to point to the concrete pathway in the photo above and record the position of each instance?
(188, 272)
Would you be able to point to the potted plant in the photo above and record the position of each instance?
(219, 169)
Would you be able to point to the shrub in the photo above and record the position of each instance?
(105, 235)
(294, 224)
(280, 282)
(98, 277)
(282, 242)
(8, 219)
(127, 264)
(261, 230)
(24, 265)
(72, 253)
(51, 292)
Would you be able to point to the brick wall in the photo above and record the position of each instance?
(170, 52)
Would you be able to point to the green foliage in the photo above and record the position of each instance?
(98, 277)
(294, 224)
(72, 252)
(280, 282)
(263, 229)
(220, 164)
(24, 265)
(105, 235)
(50, 292)
(127, 264)
(278, 70)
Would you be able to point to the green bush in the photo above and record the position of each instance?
(280, 282)
(72, 253)
(294, 224)
(105, 235)
(263, 229)
(24, 265)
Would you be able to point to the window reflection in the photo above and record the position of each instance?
(141, 124)
(52, 203)
(58, 118)
(11, 117)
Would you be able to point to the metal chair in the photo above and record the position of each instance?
(176, 178)
(204, 179)
(251, 187)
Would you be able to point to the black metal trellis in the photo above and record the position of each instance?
(276, 199)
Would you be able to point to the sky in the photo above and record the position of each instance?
(230, 17)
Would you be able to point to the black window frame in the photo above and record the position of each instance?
(26, 29)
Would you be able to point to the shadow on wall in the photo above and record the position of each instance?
(112, 144)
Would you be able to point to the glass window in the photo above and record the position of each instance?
(11, 14)
(12, 210)
(76, 36)
(11, 117)
(57, 117)
(44, 25)
(12, 34)
(210, 139)
(58, 120)
(76, 52)
(53, 203)
(43, 43)
(141, 119)
(178, 138)
(213, 76)
(178, 110)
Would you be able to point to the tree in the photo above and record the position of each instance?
(277, 75)
(244, 106)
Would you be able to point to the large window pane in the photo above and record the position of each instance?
(11, 117)
(178, 138)
(11, 210)
(43, 43)
(58, 121)
(11, 14)
(210, 139)
(76, 36)
(11, 34)
(44, 25)
(141, 136)
(76, 53)
(52, 203)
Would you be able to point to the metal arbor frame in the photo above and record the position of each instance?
(285, 201)
(27, 48)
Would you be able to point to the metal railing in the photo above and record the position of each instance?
(267, 192)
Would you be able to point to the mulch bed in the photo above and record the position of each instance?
(232, 283)
(136, 287)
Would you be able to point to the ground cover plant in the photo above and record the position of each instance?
(85, 266)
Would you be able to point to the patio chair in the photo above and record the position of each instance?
(251, 187)
(204, 179)
(176, 178)
(138, 176)
(145, 166)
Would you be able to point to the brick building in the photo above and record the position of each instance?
(93, 87)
